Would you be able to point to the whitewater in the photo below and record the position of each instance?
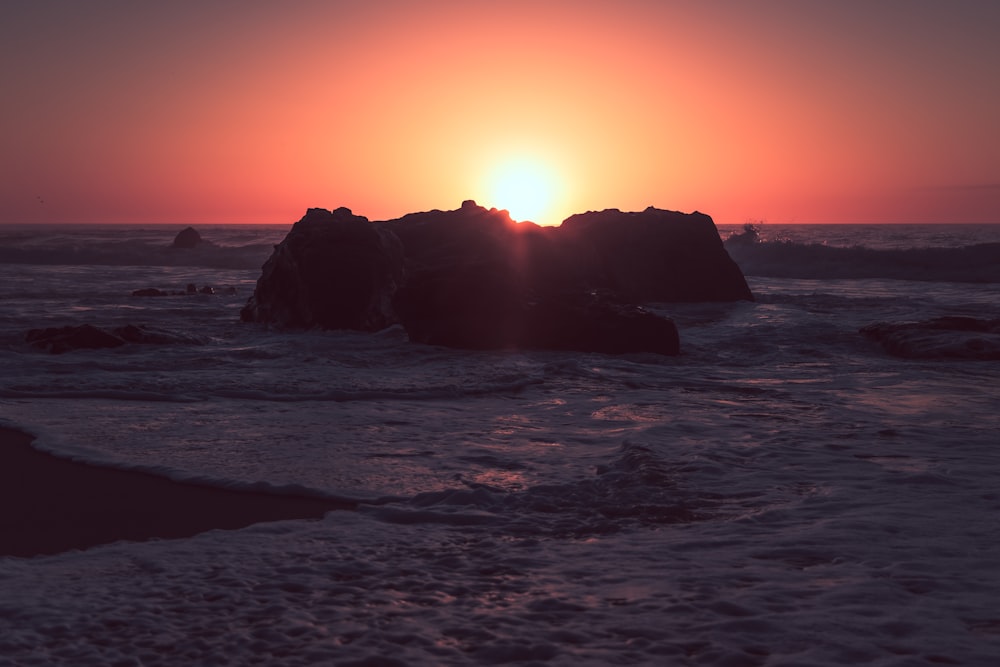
(783, 492)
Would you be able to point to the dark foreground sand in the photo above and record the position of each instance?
(49, 504)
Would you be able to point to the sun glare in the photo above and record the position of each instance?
(525, 188)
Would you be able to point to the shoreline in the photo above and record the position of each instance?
(49, 505)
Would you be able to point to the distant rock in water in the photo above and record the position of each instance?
(939, 338)
(191, 289)
(63, 339)
(187, 238)
(149, 291)
(58, 340)
(473, 278)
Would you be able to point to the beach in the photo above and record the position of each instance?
(50, 504)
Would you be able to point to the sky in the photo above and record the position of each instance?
(213, 111)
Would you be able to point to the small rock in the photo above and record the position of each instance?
(187, 238)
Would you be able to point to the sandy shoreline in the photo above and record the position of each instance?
(49, 504)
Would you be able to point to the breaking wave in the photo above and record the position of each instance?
(68, 245)
(979, 263)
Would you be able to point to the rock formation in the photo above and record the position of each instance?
(149, 291)
(190, 290)
(187, 238)
(656, 255)
(334, 270)
(58, 340)
(473, 278)
(64, 339)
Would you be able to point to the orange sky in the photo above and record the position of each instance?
(253, 111)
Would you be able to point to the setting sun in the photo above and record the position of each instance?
(545, 109)
(526, 188)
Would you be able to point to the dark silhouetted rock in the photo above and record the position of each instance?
(334, 270)
(585, 322)
(656, 255)
(595, 323)
(653, 255)
(58, 340)
(187, 238)
(63, 339)
(939, 338)
(190, 290)
(471, 276)
(474, 278)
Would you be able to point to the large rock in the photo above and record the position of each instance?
(334, 270)
(652, 255)
(474, 278)
(581, 321)
(656, 255)
(939, 338)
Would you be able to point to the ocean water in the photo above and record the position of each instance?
(781, 493)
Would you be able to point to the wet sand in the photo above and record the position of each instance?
(49, 504)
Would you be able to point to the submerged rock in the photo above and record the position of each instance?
(939, 338)
(474, 278)
(58, 340)
(64, 339)
(190, 290)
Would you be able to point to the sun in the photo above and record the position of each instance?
(525, 187)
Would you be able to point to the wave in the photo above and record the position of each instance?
(978, 263)
(57, 446)
(247, 248)
(68, 251)
(197, 395)
(637, 487)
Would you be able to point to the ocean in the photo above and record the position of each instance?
(783, 492)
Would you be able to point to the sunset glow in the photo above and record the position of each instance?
(526, 189)
(253, 112)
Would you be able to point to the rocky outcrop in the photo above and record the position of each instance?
(188, 291)
(474, 278)
(63, 339)
(58, 340)
(187, 238)
(149, 291)
(585, 322)
(655, 255)
(652, 255)
(939, 338)
(334, 270)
